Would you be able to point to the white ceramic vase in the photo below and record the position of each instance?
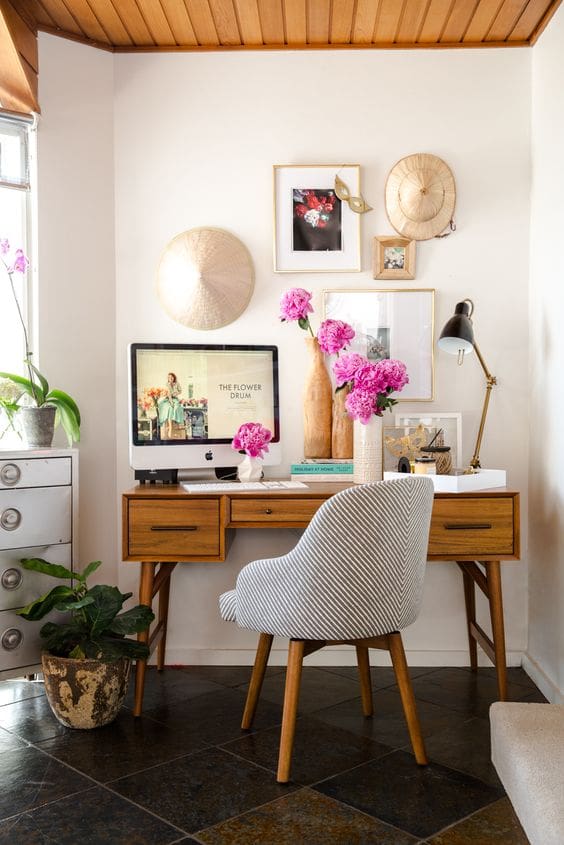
(250, 469)
(367, 449)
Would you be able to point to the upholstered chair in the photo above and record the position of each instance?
(356, 578)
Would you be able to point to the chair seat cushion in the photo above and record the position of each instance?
(228, 606)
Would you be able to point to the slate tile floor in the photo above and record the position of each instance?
(186, 773)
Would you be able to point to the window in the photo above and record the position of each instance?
(17, 148)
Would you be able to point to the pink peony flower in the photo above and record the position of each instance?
(361, 405)
(334, 335)
(346, 366)
(252, 438)
(393, 373)
(295, 305)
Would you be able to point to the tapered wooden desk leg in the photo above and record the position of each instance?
(291, 695)
(164, 594)
(470, 602)
(493, 576)
(145, 597)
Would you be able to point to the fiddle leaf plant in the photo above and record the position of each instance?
(93, 625)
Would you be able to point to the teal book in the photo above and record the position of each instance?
(319, 468)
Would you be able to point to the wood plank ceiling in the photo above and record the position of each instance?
(143, 25)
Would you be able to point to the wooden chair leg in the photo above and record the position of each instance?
(407, 698)
(291, 695)
(255, 685)
(363, 661)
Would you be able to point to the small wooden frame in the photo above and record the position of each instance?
(393, 258)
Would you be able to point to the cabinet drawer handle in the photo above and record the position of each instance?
(10, 519)
(268, 510)
(174, 527)
(10, 474)
(467, 526)
(11, 578)
(11, 639)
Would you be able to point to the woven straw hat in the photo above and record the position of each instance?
(420, 196)
(205, 278)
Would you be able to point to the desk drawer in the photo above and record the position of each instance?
(472, 526)
(273, 510)
(177, 528)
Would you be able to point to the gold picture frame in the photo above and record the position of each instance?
(303, 244)
(393, 258)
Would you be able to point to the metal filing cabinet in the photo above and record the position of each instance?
(38, 518)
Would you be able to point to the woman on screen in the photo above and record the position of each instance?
(170, 409)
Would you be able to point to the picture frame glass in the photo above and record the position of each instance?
(413, 431)
(315, 231)
(391, 324)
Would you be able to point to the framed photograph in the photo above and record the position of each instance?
(391, 324)
(393, 258)
(315, 231)
(438, 428)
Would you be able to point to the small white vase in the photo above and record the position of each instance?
(250, 469)
(367, 449)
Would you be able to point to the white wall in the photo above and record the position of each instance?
(76, 271)
(195, 140)
(546, 579)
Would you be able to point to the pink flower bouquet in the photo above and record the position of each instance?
(333, 335)
(371, 384)
(253, 439)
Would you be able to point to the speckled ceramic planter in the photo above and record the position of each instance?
(38, 425)
(85, 693)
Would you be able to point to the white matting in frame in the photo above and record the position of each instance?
(391, 324)
(299, 246)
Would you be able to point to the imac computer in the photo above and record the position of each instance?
(186, 402)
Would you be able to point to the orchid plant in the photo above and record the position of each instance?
(332, 336)
(370, 383)
(253, 439)
(33, 389)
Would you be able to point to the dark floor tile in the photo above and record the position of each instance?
(494, 825)
(304, 818)
(381, 676)
(318, 688)
(388, 723)
(19, 689)
(465, 747)
(9, 740)
(30, 778)
(515, 675)
(320, 750)
(100, 818)
(123, 747)
(31, 719)
(201, 789)
(22, 830)
(468, 692)
(535, 697)
(168, 686)
(229, 676)
(418, 799)
(216, 716)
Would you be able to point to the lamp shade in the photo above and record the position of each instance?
(458, 334)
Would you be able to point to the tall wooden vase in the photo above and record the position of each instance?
(342, 433)
(317, 403)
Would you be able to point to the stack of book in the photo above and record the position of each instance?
(322, 469)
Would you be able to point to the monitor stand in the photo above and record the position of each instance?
(173, 476)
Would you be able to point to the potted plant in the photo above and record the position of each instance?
(88, 657)
(39, 407)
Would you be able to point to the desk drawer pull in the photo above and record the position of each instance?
(467, 526)
(174, 527)
(268, 510)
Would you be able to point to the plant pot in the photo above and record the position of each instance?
(38, 425)
(85, 693)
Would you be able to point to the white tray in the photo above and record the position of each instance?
(482, 480)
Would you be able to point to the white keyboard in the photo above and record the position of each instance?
(221, 486)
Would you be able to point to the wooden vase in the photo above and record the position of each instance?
(342, 432)
(317, 404)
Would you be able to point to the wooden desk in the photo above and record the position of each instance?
(165, 525)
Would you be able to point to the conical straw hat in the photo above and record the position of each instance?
(205, 278)
(420, 196)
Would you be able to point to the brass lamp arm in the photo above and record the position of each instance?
(490, 381)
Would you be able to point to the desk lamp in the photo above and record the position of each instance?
(457, 338)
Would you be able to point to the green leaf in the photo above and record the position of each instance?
(107, 603)
(74, 605)
(113, 647)
(67, 400)
(77, 653)
(132, 621)
(56, 570)
(45, 604)
(92, 567)
(32, 390)
(60, 639)
(42, 380)
(66, 417)
(303, 323)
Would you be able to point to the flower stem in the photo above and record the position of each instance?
(28, 352)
